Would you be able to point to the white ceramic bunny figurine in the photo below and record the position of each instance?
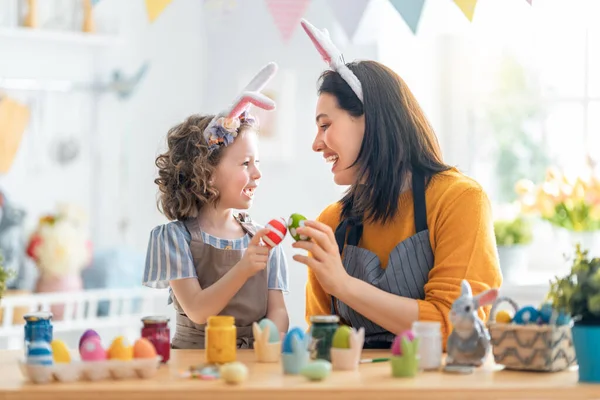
(469, 343)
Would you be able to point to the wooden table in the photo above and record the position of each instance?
(371, 381)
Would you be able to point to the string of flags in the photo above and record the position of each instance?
(287, 13)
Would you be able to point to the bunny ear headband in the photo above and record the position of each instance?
(223, 128)
(332, 56)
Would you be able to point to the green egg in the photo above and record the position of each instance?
(316, 370)
(341, 338)
(295, 221)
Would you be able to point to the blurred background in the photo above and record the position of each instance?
(88, 90)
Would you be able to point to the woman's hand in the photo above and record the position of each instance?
(325, 261)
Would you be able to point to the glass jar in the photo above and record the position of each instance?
(156, 330)
(221, 339)
(430, 344)
(322, 329)
(38, 327)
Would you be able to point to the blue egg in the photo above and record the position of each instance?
(40, 353)
(273, 330)
(546, 312)
(286, 346)
(526, 315)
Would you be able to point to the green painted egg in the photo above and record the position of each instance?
(316, 370)
(341, 338)
(295, 221)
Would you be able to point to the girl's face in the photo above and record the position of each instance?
(339, 137)
(237, 175)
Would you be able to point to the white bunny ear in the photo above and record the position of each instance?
(465, 289)
(332, 56)
(251, 93)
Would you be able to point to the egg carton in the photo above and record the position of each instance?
(144, 368)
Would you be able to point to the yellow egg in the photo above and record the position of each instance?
(60, 353)
(120, 349)
(143, 348)
(503, 317)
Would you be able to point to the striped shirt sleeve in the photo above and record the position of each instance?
(278, 270)
(169, 256)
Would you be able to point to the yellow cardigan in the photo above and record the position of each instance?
(461, 233)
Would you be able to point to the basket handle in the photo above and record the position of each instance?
(498, 301)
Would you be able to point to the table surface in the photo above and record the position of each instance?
(266, 381)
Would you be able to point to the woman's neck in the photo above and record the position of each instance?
(219, 222)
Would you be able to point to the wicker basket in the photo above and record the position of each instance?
(545, 348)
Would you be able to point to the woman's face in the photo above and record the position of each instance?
(339, 137)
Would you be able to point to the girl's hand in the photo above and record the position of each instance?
(325, 262)
(256, 256)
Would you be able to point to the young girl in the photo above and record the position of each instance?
(214, 261)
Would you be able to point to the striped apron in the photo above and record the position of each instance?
(407, 269)
(248, 305)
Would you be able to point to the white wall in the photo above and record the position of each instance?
(198, 62)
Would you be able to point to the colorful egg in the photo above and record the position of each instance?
(60, 353)
(278, 230)
(120, 349)
(341, 337)
(286, 346)
(87, 334)
(234, 373)
(397, 344)
(273, 330)
(316, 370)
(143, 348)
(526, 315)
(39, 353)
(91, 350)
(503, 317)
(295, 221)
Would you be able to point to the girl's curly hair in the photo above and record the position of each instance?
(185, 170)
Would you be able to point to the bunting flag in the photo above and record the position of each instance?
(155, 8)
(530, 2)
(467, 7)
(349, 16)
(14, 118)
(287, 15)
(410, 11)
(94, 2)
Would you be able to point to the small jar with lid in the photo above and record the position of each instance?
(38, 327)
(156, 330)
(221, 339)
(322, 329)
(430, 344)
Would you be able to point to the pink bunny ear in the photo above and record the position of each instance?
(248, 98)
(332, 56)
(251, 93)
(487, 297)
(313, 34)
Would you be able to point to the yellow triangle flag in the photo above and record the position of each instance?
(155, 8)
(14, 118)
(467, 7)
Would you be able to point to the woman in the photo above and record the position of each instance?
(396, 247)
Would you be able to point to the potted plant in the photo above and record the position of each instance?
(513, 238)
(578, 295)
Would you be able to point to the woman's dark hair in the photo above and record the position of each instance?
(398, 139)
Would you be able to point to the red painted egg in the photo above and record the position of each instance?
(278, 230)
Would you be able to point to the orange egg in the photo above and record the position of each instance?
(143, 348)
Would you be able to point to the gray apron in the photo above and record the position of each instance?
(407, 269)
(247, 306)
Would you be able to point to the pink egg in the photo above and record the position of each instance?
(87, 334)
(91, 350)
(397, 345)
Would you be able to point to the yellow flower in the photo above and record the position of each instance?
(545, 205)
(579, 190)
(524, 187)
(553, 175)
(595, 212)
